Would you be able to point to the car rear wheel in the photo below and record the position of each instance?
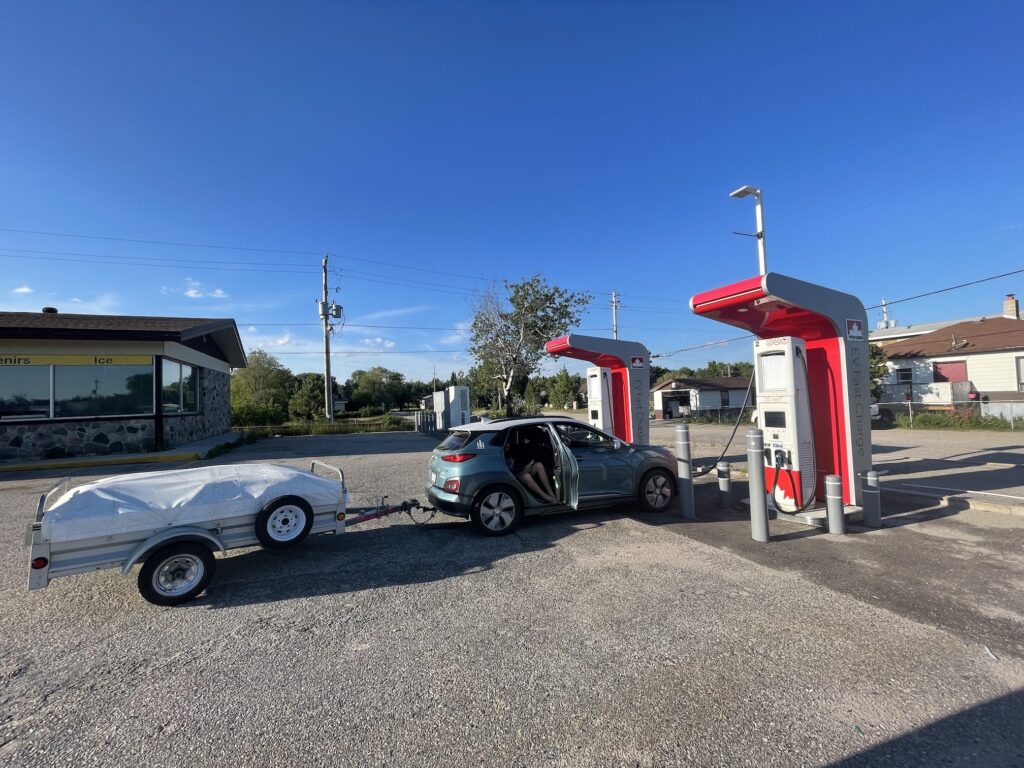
(497, 510)
(284, 522)
(657, 490)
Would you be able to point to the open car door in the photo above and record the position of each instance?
(568, 470)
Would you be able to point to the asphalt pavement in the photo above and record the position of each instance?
(587, 639)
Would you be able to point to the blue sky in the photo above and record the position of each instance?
(430, 147)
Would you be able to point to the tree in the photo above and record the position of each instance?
(378, 387)
(878, 368)
(562, 389)
(260, 391)
(507, 335)
(307, 401)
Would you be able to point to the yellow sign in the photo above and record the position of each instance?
(8, 359)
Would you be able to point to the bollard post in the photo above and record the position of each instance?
(872, 501)
(724, 484)
(758, 496)
(684, 466)
(834, 504)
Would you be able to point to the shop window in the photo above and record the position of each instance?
(180, 392)
(102, 390)
(25, 392)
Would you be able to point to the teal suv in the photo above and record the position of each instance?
(498, 472)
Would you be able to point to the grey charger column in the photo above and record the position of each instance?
(685, 471)
(758, 495)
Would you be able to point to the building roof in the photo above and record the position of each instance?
(989, 334)
(717, 382)
(918, 329)
(217, 337)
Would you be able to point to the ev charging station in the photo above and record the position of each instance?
(813, 384)
(621, 379)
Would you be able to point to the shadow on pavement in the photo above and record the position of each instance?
(987, 735)
(388, 556)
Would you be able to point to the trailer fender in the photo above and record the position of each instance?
(184, 533)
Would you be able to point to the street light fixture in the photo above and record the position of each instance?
(746, 191)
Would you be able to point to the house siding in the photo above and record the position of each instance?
(988, 371)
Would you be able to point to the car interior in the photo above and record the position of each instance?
(540, 450)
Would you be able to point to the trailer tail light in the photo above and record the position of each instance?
(452, 486)
(38, 563)
(458, 458)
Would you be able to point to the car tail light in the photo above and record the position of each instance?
(458, 458)
(38, 563)
(452, 486)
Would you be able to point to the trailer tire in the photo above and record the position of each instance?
(284, 522)
(656, 491)
(497, 510)
(177, 573)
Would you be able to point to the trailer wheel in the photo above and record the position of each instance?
(284, 522)
(497, 510)
(657, 489)
(176, 573)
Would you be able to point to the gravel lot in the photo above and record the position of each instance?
(584, 640)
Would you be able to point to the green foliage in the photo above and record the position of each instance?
(878, 369)
(959, 418)
(562, 389)
(307, 401)
(508, 333)
(324, 427)
(377, 387)
(260, 391)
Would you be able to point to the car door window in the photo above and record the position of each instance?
(580, 436)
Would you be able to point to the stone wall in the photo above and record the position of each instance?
(58, 440)
(61, 439)
(214, 417)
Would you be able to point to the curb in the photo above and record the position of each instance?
(971, 502)
(100, 461)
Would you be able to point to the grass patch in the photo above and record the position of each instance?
(385, 423)
(958, 418)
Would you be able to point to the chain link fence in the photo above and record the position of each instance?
(960, 414)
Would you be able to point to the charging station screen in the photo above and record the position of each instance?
(773, 371)
(775, 419)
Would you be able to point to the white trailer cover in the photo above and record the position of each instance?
(155, 500)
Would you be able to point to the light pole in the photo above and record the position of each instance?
(762, 260)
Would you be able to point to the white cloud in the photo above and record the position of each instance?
(22, 289)
(460, 336)
(386, 314)
(378, 343)
(194, 290)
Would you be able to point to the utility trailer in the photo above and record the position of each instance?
(174, 521)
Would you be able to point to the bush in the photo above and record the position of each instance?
(959, 418)
(248, 415)
(323, 427)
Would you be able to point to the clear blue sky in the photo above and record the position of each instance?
(593, 142)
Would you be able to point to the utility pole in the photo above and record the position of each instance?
(325, 315)
(615, 315)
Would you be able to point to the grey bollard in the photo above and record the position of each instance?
(724, 484)
(758, 496)
(872, 501)
(684, 466)
(834, 504)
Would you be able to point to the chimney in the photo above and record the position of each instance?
(1011, 307)
(49, 310)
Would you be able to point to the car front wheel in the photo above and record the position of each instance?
(657, 490)
(497, 511)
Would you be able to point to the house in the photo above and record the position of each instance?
(971, 360)
(676, 398)
(73, 385)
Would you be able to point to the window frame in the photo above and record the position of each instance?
(181, 388)
(899, 379)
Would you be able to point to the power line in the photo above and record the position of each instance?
(273, 351)
(719, 343)
(950, 288)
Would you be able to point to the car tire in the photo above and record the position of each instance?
(176, 573)
(284, 522)
(497, 511)
(656, 491)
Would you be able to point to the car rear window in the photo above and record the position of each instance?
(454, 441)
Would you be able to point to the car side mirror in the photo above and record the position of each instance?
(616, 444)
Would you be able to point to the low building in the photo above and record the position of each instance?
(970, 360)
(677, 398)
(73, 385)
